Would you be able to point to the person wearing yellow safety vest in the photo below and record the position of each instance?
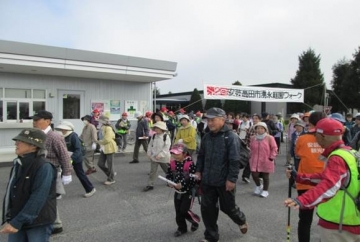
(339, 218)
(123, 125)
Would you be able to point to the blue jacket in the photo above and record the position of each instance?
(73, 145)
(215, 161)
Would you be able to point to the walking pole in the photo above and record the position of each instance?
(288, 229)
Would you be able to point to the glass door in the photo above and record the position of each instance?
(71, 107)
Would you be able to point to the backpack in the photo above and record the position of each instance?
(244, 151)
(164, 137)
(196, 190)
(170, 126)
(83, 146)
(356, 199)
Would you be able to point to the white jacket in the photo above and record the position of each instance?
(157, 147)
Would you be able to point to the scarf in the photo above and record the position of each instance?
(260, 136)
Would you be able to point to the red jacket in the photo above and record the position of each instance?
(329, 182)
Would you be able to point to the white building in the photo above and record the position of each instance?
(70, 83)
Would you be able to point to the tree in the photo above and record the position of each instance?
(340, 74)
(236, 106)
(350, 92)
(195, 102)
(310, 78)
(210, 103)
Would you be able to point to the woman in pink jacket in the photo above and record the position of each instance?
(263, 150)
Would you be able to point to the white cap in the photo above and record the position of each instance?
(137, 114)
(65, 125)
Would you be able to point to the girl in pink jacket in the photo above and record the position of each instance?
(263, 151)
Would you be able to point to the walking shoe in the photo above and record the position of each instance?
(57, 230)
(258, 190)
(90, 170)
(58, 196)
(134, 161)
(89, 194)
(194, 227)
(243, 228)
(246, 180)
(109, 182)
(264, 194)
(179, 233)
(148, 188)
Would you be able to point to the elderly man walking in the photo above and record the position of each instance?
(57, 155)
(218, 167)
(142, 135)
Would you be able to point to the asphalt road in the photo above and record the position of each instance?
(122, 212)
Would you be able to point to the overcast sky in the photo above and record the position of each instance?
(216, 42)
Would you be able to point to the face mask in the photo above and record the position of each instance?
(85, 122)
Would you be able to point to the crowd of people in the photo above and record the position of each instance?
(171, 140)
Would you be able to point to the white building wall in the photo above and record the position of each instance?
(93, 90)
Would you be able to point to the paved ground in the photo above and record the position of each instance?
(122, 212)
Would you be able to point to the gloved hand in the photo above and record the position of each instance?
(93, 146)
(66, 179)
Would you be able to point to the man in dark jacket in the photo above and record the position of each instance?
(29, 208)
(218, 168)
(265, 117)
(142, 135)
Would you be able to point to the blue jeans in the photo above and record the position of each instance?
(36, 234)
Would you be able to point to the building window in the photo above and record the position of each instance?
(17, 93)
(17, 105)
(41, 94)
(71, 106)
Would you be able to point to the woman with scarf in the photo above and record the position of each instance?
(263, 150)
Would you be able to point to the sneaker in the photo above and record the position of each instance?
(148, 188)
(134, 161)
(246, 180)
(57, 230)
(58, 196)
(194, 227)
(264, 194)
(258, 190)
(89, 194)
(109, 182)
(243, 228)
(178, 233)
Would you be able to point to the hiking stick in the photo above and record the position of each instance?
(288, 229)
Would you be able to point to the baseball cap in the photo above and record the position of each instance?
(330, 127)
(163, 109)
(178, 148)
(215, 112)
(42, 114)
